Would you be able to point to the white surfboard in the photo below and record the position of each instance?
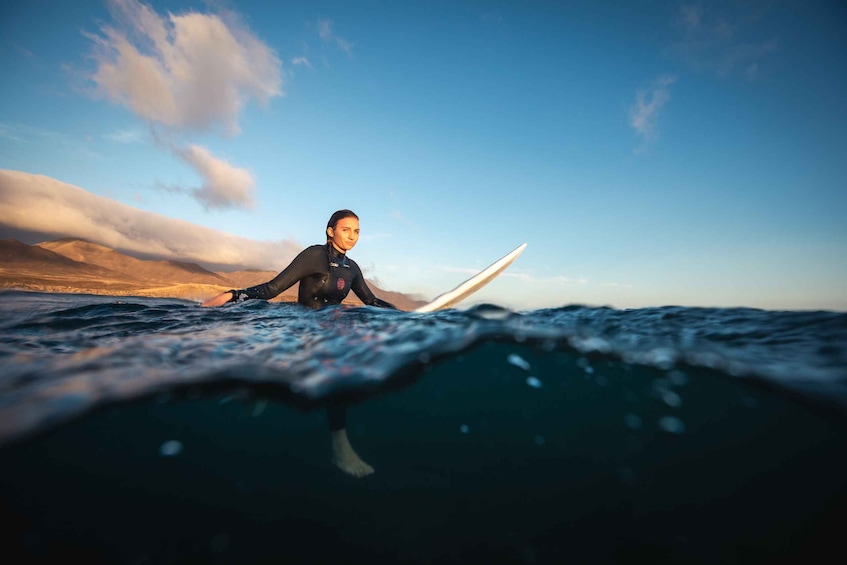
(473, 284)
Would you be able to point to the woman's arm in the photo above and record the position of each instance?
(360, 287)
(302, 266)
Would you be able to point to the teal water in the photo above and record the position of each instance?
(150, 431)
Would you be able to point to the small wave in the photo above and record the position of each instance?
(65, 355)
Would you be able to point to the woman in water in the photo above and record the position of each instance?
(326, 275)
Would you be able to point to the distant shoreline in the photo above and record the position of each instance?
(77, 266)
(182, 291)
(196, 292)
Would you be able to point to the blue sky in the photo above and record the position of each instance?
(649, 153)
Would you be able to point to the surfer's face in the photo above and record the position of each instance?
(345, 235)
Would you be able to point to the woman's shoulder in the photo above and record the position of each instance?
(314, 250)
(309, 255)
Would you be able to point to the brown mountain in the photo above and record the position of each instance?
(76, 265)
(247, 277)
(153, 271)
(29, 266)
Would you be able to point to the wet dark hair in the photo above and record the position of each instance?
(339, 215)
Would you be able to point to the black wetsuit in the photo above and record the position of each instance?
(326, 276)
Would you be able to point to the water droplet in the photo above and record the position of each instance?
(533, 382)
(539, 440)
(678, 378)
(671, 425)
(633, 421)
(518, 361)
(464, 428)
(663, 357)
(259, 407)
(672, 399)
(170, 448)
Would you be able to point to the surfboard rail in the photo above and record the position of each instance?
(473, 284)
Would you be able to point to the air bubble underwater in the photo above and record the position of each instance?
(518, 361)
(170, 448)
(533, 382)
(671, 425)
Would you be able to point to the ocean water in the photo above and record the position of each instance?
(139, 430)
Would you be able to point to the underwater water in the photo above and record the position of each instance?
(141, 430)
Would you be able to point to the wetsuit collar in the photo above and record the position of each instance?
(333, 252)
(336, 257)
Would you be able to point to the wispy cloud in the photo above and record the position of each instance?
(531, 279)
(8, 132)
(617, 285)
(127, 136)
(327, 34)
(301, 61)
(224, 186)
(22, 50)
(722, 43)
(25, 134)
(521, 276)
(644, 114)
(36, 203)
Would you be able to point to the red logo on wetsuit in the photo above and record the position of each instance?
(340, 284)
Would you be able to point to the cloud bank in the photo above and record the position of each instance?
(187, 73)
(37, 203)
